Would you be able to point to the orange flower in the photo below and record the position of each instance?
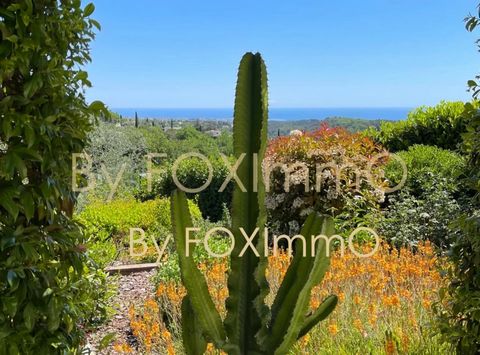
(357, 323)
(333, 329)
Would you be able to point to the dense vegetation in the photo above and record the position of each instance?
(440, 125)
(275, 127)
(459, 309)
(55, 242)
(427, 208)
(48, 286)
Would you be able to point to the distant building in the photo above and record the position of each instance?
(296, 132)
(215, 133)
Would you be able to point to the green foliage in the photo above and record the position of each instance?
(426, 163)
(410, 219)
(429, 202)
(44, 275)
(440, 125)
(458, 313)
(157, 141)
(115, 146)
(107, 225)
(188, 139)
(193, 173)
(250, 326)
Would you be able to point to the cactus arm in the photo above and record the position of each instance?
(193, 341)
(312, 223)
(292, 311)
(246, 282)
(193, 280)
(293, 270)
(292, 329)
(322, 312)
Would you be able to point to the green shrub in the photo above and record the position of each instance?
(440, 125)
(46, 280)
(114, 219)
(193, 173)
(425, 164)
(409, 220)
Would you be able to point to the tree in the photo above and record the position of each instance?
(136, 120)
(44, 120)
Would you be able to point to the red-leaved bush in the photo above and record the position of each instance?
(329, 170)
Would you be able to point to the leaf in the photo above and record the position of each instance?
(89, 9)
(193, 340)
(106, 341)
(246, 312)
(12, 278)
(29, 316)
(29, 136)
(192, 278)
(82, 75)
(7, 241)
(10, 305)
(28, 153)
(28, 204)
(96, 24)
(7, 196)
(32, 86)
(47, 292)
(7, 127)
(98, 107)
(53, 315)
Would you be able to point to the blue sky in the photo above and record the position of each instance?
(351, 53)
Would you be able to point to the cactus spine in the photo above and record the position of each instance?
(250, 326)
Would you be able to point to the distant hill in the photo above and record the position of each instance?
(351, 124)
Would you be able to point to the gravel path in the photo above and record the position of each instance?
(133, 288)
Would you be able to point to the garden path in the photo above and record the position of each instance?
(132, 288)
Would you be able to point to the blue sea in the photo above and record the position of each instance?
(282, 114)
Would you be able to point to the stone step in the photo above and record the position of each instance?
(129, 269)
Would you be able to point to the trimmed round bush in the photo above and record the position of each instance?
(193, 173)
(426, 166)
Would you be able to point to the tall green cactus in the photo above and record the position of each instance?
(251, 327)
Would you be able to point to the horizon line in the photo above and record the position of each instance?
(274, 107)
